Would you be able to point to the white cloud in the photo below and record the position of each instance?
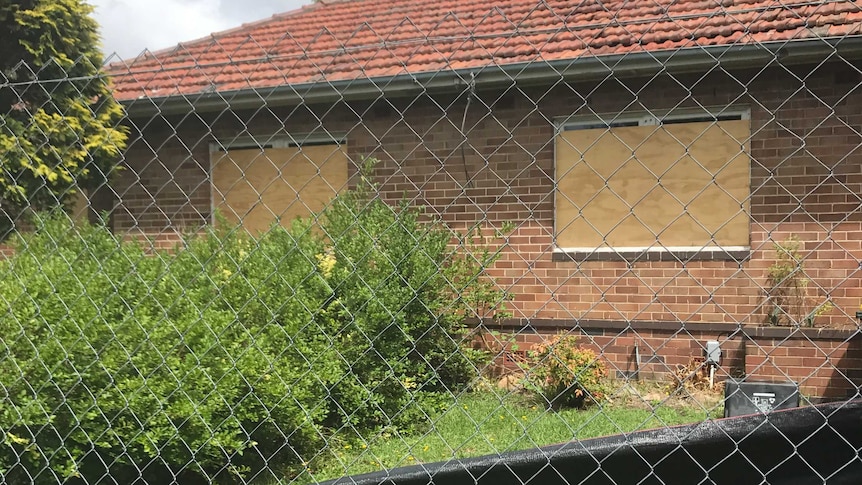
(130, 26)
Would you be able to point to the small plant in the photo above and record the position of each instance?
(788, 292)
(472, 292)
(565, 374)
(694, 376)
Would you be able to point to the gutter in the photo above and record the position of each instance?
(581, 69)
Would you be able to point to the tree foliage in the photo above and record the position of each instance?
(59, 124)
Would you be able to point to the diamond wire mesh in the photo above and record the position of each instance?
(179, 324)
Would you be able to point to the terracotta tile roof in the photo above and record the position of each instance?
(357, 39)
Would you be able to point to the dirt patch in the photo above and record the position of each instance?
(650, 395)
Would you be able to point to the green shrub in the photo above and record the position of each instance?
(566, 375)
(396, 325)
(203, 363)
(228, 353)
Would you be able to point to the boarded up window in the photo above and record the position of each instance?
(257, 187)
(672, 185)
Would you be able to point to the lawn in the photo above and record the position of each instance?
(488, 422)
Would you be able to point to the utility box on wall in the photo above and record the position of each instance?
(754, 397)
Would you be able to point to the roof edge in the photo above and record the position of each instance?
(629, 65)
(147, 53)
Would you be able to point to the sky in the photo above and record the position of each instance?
(130, 26)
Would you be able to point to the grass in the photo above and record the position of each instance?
(481, 423)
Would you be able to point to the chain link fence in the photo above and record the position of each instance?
(426, 249)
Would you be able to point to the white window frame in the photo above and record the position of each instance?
(277, 141)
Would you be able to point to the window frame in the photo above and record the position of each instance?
(276, 141)
(646, 118)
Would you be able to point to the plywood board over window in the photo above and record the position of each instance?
(256, 187)
(679, 185)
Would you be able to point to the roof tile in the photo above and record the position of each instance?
(370, 38)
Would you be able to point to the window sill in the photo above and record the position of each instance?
(640, 255)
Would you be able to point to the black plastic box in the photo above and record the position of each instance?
(753, 397)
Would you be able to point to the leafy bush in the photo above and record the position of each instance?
(203, 363)
(227, 354)
(565, 374)
(397, 323)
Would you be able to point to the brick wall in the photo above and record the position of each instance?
(164, 189)
(806, 178)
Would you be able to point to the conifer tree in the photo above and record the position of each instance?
(60, 129)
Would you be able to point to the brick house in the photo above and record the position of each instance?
(745, 118)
